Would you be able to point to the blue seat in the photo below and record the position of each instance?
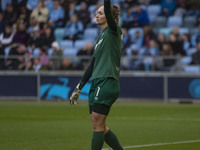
(186, 60)
(191, 51)
(66, 44)
(165, 31)
(192, 69)
(70, 52)
(174, 21)
(92, 8)
(183, 31)
(90, 33)
(189, 21)
(59, 34)
(79, 44)
(159, 21)
(154, 9)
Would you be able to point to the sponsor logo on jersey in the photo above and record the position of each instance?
(98, 43)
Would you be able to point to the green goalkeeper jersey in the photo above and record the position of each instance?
(107, 50)
(106, 59)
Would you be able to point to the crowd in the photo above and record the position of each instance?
(28, 40)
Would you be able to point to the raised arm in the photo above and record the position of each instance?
(109, 17)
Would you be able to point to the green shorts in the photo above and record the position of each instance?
(104, 91)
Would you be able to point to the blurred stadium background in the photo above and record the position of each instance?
(45, 46)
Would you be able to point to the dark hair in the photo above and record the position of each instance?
(115, 12)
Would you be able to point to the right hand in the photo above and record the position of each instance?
(75, 95)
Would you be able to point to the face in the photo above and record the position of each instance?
(73, 18)
(100, 16)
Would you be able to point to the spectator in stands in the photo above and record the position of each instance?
(126, 41)
(23, 14)
(176, 45)
(32, 24)
(128, 3)
(152, 49)
(56, 15)
(21, 35)
(167, 7)
(41, 13)
(140, 17)
(166, 52)
(34, 40)
(66, 64)
(72, 10)
(153, 2)
(13, 63)
(3, 22)
(6, 38)
(148, 35)
(27, 65)
(138, 39)
(55, 56)
(186, 42)
(73, 29)
(37, 66)
(175, 31)
(44, 59)
(84, 14)
(47, 38)
(10, 14)
(2, 56)
(196, 56)
(127, 18)
(196, 37)
(180, 8)
(161, 40)
(49, 4)
(86, 51)
(31, 5)
(90, 2)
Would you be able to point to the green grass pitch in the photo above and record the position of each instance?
(59, 126)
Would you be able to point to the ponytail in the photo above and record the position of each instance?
(115, 12)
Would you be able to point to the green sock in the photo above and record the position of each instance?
(97, 140)
(112, 141)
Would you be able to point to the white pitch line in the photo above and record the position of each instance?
(157, 144)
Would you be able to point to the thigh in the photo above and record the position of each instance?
(107, 93)
(98, 121)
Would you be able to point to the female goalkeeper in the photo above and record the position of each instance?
(104, 69)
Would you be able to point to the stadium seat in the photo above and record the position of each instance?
(165, 31)
(159, 22)
(192, 69)
(66, 44)
(90, 33)
(59, 34)
(191, 51)
(92, 8)
(70, 52)
(189, 21)
(194, 31)
(174, 21)
(80, 43)
(184, 31)
(154, 9)
(186, 60)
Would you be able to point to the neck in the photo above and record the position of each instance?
(103, 26)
